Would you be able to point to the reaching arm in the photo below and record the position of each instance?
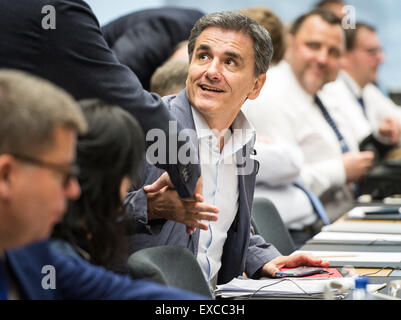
(84, 65)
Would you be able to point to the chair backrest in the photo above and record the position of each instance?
(267, 222)
(169, 265)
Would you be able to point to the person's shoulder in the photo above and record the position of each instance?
(176, 100)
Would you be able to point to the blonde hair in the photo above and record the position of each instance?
(272, 23)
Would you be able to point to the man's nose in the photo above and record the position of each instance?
(214, 70)
(322, 56)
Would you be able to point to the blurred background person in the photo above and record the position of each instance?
(143, 40)
(171, 76)
(287, 110)
(373, 116)
(335, 6)
(109, 155)
(281, 162)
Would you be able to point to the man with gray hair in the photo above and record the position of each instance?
(38, 127)
(229, 56)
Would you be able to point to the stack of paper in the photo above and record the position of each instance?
(274, 288)
(365, 227)
(358, 259)
(357, 238)
(375, 213)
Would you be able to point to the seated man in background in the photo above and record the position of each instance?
(281, 163)
(170, 77)
(229, 56)
(371, 113)
(290, 110)
(335, 6)
(38, 130)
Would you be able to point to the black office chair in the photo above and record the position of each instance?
(169, 265)
(267, 222)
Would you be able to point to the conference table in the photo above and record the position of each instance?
(342, 252)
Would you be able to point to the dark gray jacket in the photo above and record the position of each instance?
(242, 250)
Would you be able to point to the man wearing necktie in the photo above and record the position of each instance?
(289, 109)
(372, 113)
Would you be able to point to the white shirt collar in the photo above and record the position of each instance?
(351, 83)
(294, 83)
(240, 133)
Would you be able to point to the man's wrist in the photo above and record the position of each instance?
(152, 215)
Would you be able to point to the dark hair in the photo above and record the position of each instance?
(325, 14)
(323, 3)
(262, 44)
(272, 23)
(113, 148)
(350, 34)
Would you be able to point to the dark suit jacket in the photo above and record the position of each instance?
(242, 251)
(144, 39)
(77, 279)
(76, 57)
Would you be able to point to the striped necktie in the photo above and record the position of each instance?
(330, 121)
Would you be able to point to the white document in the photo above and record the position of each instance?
(285, 288)
(361, 213)
(357, 238)
(302, 288)
(365, 227)
(382, 257)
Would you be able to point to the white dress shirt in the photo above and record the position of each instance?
(280, 167)
(220, 186)
(345, 92)
(285, 112)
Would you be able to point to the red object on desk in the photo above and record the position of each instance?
(331, 273)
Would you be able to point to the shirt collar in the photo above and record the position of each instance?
(241, 131)
(294, 83)
(351, 84)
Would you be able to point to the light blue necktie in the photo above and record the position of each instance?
(3, 280)
(316, 203)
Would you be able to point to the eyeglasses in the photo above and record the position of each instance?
(69, 172)
(372, 51)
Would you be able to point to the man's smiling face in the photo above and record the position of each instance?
(221, 75)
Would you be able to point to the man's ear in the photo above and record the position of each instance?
(6, 166)
(259, 82)
(289, 43)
